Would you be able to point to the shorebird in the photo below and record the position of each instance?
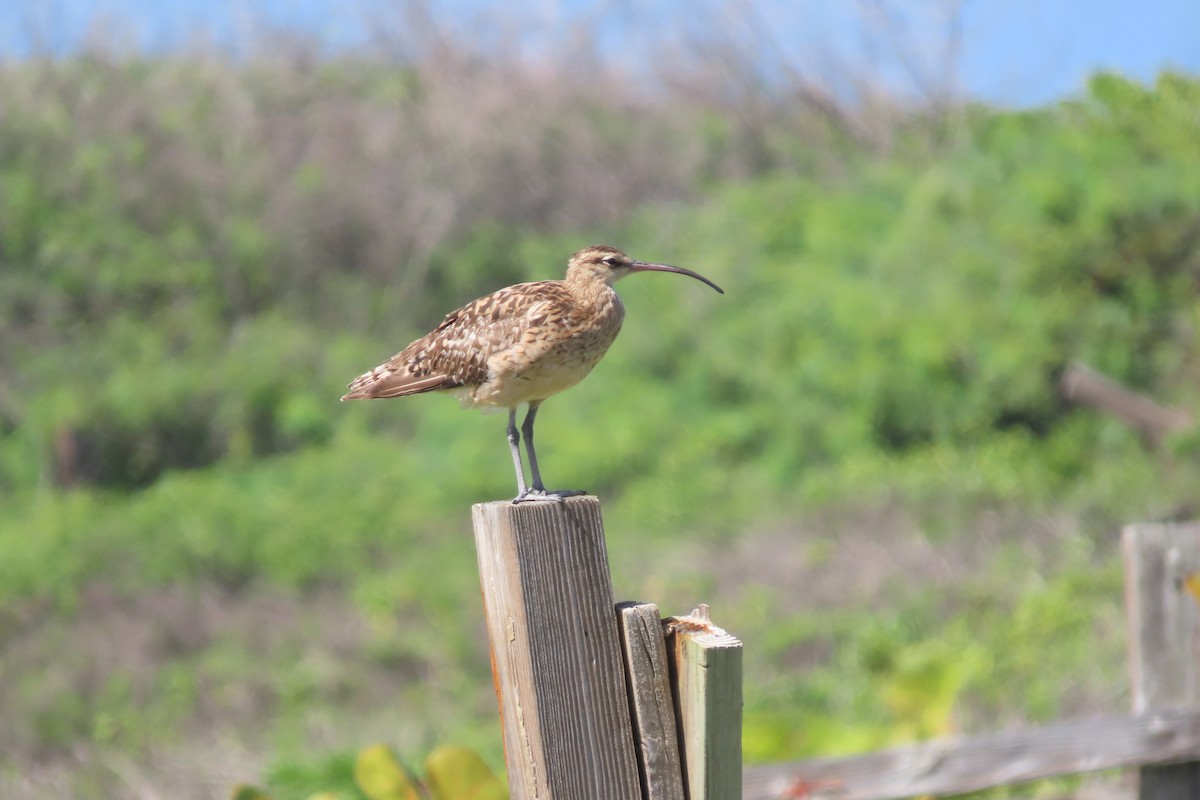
(519, 345)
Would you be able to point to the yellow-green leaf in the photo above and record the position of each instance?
(381, 776)
(496, 789)
(245, 792)
(1192, 584)
(458, 773)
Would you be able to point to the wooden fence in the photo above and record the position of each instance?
(613, 706)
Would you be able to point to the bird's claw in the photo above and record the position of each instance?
(546, 495)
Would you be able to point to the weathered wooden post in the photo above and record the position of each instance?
(651, 701)
(706, 673)
(598, 703)
(1162, 567)
(556, 659)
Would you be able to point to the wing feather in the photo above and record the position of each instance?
(456, 353)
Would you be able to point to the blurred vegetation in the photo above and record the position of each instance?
(202, 552)
(451, 773)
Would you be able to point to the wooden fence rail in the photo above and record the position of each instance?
(954, 766)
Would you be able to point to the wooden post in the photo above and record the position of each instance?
(1162, 567)
(706, 673)
(556, 660)
(650, 701)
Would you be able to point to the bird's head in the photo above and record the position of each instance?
(601, 263)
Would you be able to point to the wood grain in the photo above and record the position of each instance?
(644, 648)
(1164, 638)
(557, 662)
(706, 674)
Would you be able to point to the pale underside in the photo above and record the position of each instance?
(520, 344)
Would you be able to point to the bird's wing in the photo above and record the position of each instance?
(456, 352)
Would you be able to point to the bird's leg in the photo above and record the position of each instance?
(527, 429)
(538, 490)
(514, 444)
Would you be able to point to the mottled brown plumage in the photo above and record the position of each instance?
(519, 345)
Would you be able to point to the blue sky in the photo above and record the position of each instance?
(1032, 51)
(1014, 52)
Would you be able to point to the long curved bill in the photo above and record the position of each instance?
(644, 266)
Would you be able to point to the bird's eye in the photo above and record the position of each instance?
(612, 262)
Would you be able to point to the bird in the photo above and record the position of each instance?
(519, 345)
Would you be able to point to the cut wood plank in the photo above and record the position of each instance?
(1162, 574)
(649, 680)
(1085, 385)
(955, 766)
(706, 675)
(556, 658)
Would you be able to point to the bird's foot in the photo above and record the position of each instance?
(546, 495)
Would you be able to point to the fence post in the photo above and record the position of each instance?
(648, 672)
(706, 676)
(556, 659)
(1162, 568)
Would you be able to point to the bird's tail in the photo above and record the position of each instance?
(382, 382)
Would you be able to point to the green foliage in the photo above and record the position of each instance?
(906, 671)
(452, 773)
(916, 305)
(181, 307)
(313, 779)
(243, 792)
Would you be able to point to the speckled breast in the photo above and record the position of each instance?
(553, 357)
